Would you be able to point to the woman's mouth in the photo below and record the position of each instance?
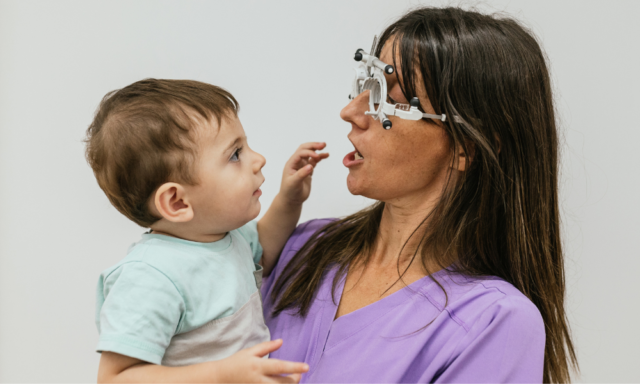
(257, 193)
(352, 159)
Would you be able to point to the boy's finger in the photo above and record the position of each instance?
(286, 379)
(304, 171)
(313, 161)
(312, 157)
(313, 145)
(265, 348)
(307, 153)
(274, 367)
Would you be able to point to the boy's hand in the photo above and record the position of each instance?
(245, 366)
(281, 218)
(249, 366)
(296, 178)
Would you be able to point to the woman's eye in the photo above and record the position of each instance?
(236, 155)
(390, 100)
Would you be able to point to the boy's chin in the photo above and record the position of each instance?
(256, 211)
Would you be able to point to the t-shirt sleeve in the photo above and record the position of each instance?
(249, 232)
(140, 312)
(505, 345)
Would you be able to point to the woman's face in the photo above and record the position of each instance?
(411, 160)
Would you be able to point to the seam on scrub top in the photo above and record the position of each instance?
(452, 315)
(468, 327)
(496, 288)
(457, 349)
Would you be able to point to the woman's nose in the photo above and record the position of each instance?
(354, 111)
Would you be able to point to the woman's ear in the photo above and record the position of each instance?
(172, 203)
(463, 160)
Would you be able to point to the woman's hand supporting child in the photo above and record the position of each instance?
(281, 219)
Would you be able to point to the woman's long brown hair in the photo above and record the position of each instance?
(500, 219)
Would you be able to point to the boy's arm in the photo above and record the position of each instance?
(274, 229)
(281, 219)
(246, 366)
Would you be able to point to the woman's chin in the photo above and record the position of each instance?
(354, 185)
(374, 191)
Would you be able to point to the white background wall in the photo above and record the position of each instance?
(289, 64)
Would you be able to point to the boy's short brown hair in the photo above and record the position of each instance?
(142, 136)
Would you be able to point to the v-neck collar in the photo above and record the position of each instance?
(333, 332)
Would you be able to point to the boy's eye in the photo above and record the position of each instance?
(236, 155)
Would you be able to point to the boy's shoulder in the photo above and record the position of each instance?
(155, 255)
(178, 258)
(149, 250)
(143, 260)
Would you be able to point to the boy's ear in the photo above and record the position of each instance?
(172, 203)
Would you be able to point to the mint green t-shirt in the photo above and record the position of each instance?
(177, 302)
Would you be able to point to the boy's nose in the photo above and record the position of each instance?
(258, 163)
(354, 111)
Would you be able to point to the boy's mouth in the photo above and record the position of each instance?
(258, 192)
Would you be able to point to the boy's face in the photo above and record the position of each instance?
(229, 178)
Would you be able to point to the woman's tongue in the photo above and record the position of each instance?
(352, 157)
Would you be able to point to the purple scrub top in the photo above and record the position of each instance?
(488, 331)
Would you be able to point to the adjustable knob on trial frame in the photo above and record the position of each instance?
(358, 55)
(386, 124)
(415, 102)
(388, 69)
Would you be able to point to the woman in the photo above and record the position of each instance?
(456, 273)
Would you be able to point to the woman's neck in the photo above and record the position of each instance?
(402, 224)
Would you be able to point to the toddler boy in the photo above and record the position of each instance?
(184, 304)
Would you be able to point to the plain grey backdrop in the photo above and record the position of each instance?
(289, 64)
